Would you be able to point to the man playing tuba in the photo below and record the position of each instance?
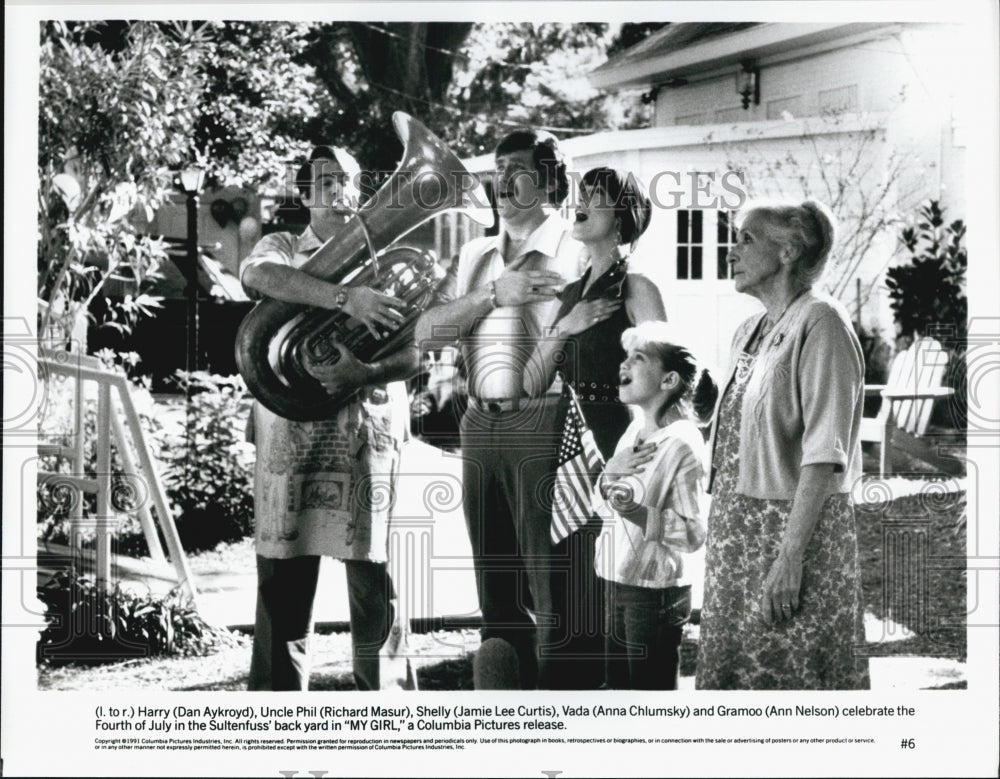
(325, 487)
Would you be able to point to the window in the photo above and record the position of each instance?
(701, 236)
(735, 114)
(725, 229)
(836, 100)
(784, 108)
(689, 243)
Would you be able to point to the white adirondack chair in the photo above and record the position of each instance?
(908, 396)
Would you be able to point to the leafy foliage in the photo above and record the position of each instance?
(91, 625)
(111, 126)
(535, 75)
(208, 474)
(258, 97)
(928, 293)
(123, 106)
(369, 71)
(927, 296)
(632, 33)
(469, 83)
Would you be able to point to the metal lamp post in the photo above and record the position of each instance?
(192, 178)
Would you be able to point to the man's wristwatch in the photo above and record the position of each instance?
(341, 299)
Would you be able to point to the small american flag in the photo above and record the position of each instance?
(580, 463)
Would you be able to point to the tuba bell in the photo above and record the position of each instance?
(276, 339)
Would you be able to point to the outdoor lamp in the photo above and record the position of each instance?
(192, 177)
(748, 83)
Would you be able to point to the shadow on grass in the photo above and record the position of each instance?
(913, 561)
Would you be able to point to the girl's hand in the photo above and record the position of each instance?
(629, 461)
(624, 493)
(586, 314)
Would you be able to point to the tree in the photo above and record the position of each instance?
(112, 124)
(865, 180)
(534, 75)
(371, 70)
(632, 33)
(927, 294)
(468, 83)
(123, 105)
(258, 99)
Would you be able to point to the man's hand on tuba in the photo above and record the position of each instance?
(373, 308)
(344, 375)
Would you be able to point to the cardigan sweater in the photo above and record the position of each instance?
(803, 401)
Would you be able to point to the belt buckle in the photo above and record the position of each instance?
(497, 405)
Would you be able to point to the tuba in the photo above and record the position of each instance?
(276, 339)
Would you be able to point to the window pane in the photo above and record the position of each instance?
(695, 262)
(682, 226)
(696, 227)
(722, 228)
(682, 262)
(721, 264)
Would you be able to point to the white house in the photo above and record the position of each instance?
(870, 114)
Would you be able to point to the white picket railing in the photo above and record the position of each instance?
(116, 414)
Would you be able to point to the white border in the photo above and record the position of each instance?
(956, 731)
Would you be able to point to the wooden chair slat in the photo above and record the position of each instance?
(915, 380)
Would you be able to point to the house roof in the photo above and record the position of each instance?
(686, 50)
(671, 38)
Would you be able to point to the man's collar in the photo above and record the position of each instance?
(309, 241)
(544, 239)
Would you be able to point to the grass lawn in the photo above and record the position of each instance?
(913, 558)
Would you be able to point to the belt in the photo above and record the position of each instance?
(495, 405)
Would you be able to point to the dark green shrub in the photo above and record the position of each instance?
(207, 469)
(928, 294)
(208, 474)
(90, 625)
(928, 298)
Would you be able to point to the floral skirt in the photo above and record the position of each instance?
(820, 647)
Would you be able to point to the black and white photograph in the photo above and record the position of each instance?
(555, 389)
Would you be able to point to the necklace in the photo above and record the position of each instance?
(766, 326)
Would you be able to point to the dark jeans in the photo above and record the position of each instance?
(285, 593)
(643, 639)
(543, 599)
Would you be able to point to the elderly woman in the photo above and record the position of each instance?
(783, 606)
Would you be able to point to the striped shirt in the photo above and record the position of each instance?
(671, 487)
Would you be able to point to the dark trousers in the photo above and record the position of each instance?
(543, 600)
(644, 629)
(286, 590)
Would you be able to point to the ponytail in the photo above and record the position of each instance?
(706, 393)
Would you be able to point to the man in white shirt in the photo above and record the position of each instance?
(504, 298)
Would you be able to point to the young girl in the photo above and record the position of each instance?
(649, 495)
